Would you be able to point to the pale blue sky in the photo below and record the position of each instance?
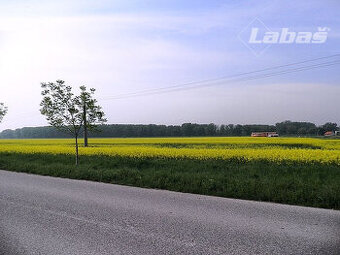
(126, 46)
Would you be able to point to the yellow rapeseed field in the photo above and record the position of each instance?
(246, 148)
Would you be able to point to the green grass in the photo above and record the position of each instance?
(294, 183)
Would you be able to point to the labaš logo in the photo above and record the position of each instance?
(286, 36)
(258, 37)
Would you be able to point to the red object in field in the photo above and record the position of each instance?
(264, 134)
(329, 133)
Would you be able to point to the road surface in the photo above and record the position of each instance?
(45, 215)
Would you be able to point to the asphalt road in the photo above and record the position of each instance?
(45, 215)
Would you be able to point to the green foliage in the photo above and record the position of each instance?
(329, 126)
(3, 111)
(63, 110)
(94, 112)
(304, 184)
(296, 128)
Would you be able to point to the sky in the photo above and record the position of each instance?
(127, 46)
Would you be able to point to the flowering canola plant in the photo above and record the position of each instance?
(304, 150)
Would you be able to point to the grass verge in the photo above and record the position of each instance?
(315, 185)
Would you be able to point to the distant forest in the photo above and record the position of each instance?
(286, 128)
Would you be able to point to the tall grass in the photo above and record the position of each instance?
(291, 182)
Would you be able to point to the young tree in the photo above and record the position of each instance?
(3, 111)
(92, 112)
(63, 110)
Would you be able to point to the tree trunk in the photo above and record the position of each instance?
(77, 151)
(86, 144)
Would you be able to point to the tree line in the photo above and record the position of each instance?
(285, 128)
